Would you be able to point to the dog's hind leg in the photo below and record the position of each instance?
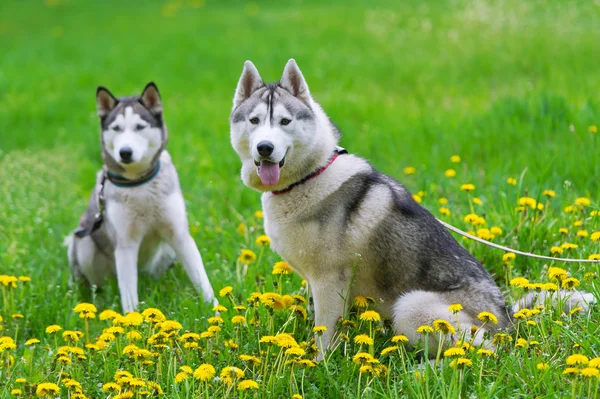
(161, 260)
(418, 308)
(87, 261)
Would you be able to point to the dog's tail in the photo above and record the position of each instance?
(566, 300)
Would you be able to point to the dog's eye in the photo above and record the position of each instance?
(117, 128)
(140, 127)
(285, 121)
(254, 121)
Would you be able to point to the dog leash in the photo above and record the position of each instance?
(528, 254)
(118, 181)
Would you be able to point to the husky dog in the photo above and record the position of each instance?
(345, 227)
(136, 213)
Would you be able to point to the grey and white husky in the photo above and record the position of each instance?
(348, 229)
(136, 213)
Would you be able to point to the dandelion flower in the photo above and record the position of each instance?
(229, 373)
(485, 352)
(370, 315)
(542, 366)
(444, 327)
(238, 319)
(108, 314)
(424, 329)
(455, 159)
(225, 291)
(389, 349)
(153, 315)
(595, 362)
(16, 392)
(590, 372)
(461, 363)
(363, 339)
(205, 372)
(53, 329)
(512, 181)
(549, 193)
(454, 352)
(47, 389)
(247, 256)
(362, 358)
(23, 380)
(400, 338)
(263, 240)
(319, 329)
(556, 250)
(582, 201)
(295, 351)
(445, 211)
(32, 341)
(577, 359)
(467, 187)
(495, 230)
(282, 268)
(247, 384)
(86, 310)
(450, 173)
(410, 170)
(443, 201)
(570, 283)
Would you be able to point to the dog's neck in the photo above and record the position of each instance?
(120, 175)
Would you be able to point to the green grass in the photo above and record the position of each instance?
(510, 86)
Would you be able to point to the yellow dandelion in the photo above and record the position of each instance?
(53, 329)
(363, 339)
(238, 319)
(23, 380)
(445, 211)
(247, 256)
(205, 372)
(47, 389)
(454, 352)
(153, 315)
(282, 268)
(247, 384)
(424, 329)
(319, 329)
(549, 193)
(577, 359)
(400, 338)
(467, 187)
(512, 181)
(590, 372)
(409, 170)
(220, 308)
(582, 201)
(258, 214)
(455, 159)
(443, 201)
(229, 374)
(461, 363)
(543, 366)
(225, 291)
(370, 315)
(556, 250)
(263, 240)
(295, 351)
(389, 349)
(16, 392)
(443, 326)
(570, 283)
(362, 358)
(32, 341)
(450, 173)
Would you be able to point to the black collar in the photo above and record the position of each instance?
(121, 181)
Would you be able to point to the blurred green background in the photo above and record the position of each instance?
(510, 86)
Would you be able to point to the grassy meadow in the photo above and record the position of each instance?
(501, 95)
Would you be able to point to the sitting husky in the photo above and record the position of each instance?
(345, 227)
(136, 213)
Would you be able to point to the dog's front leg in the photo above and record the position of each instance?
(126, 257)
(329, 297)
(189, 255)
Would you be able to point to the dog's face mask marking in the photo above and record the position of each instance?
(271, 127)
(132, 128)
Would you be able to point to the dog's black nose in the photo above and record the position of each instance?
(125, 153)
(265, 148)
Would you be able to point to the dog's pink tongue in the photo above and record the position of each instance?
(269, 173)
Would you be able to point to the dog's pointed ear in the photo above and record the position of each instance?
(249, 82)
(150, 98)
(105, 101)
(293, 81)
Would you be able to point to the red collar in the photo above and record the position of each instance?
(338, 151)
